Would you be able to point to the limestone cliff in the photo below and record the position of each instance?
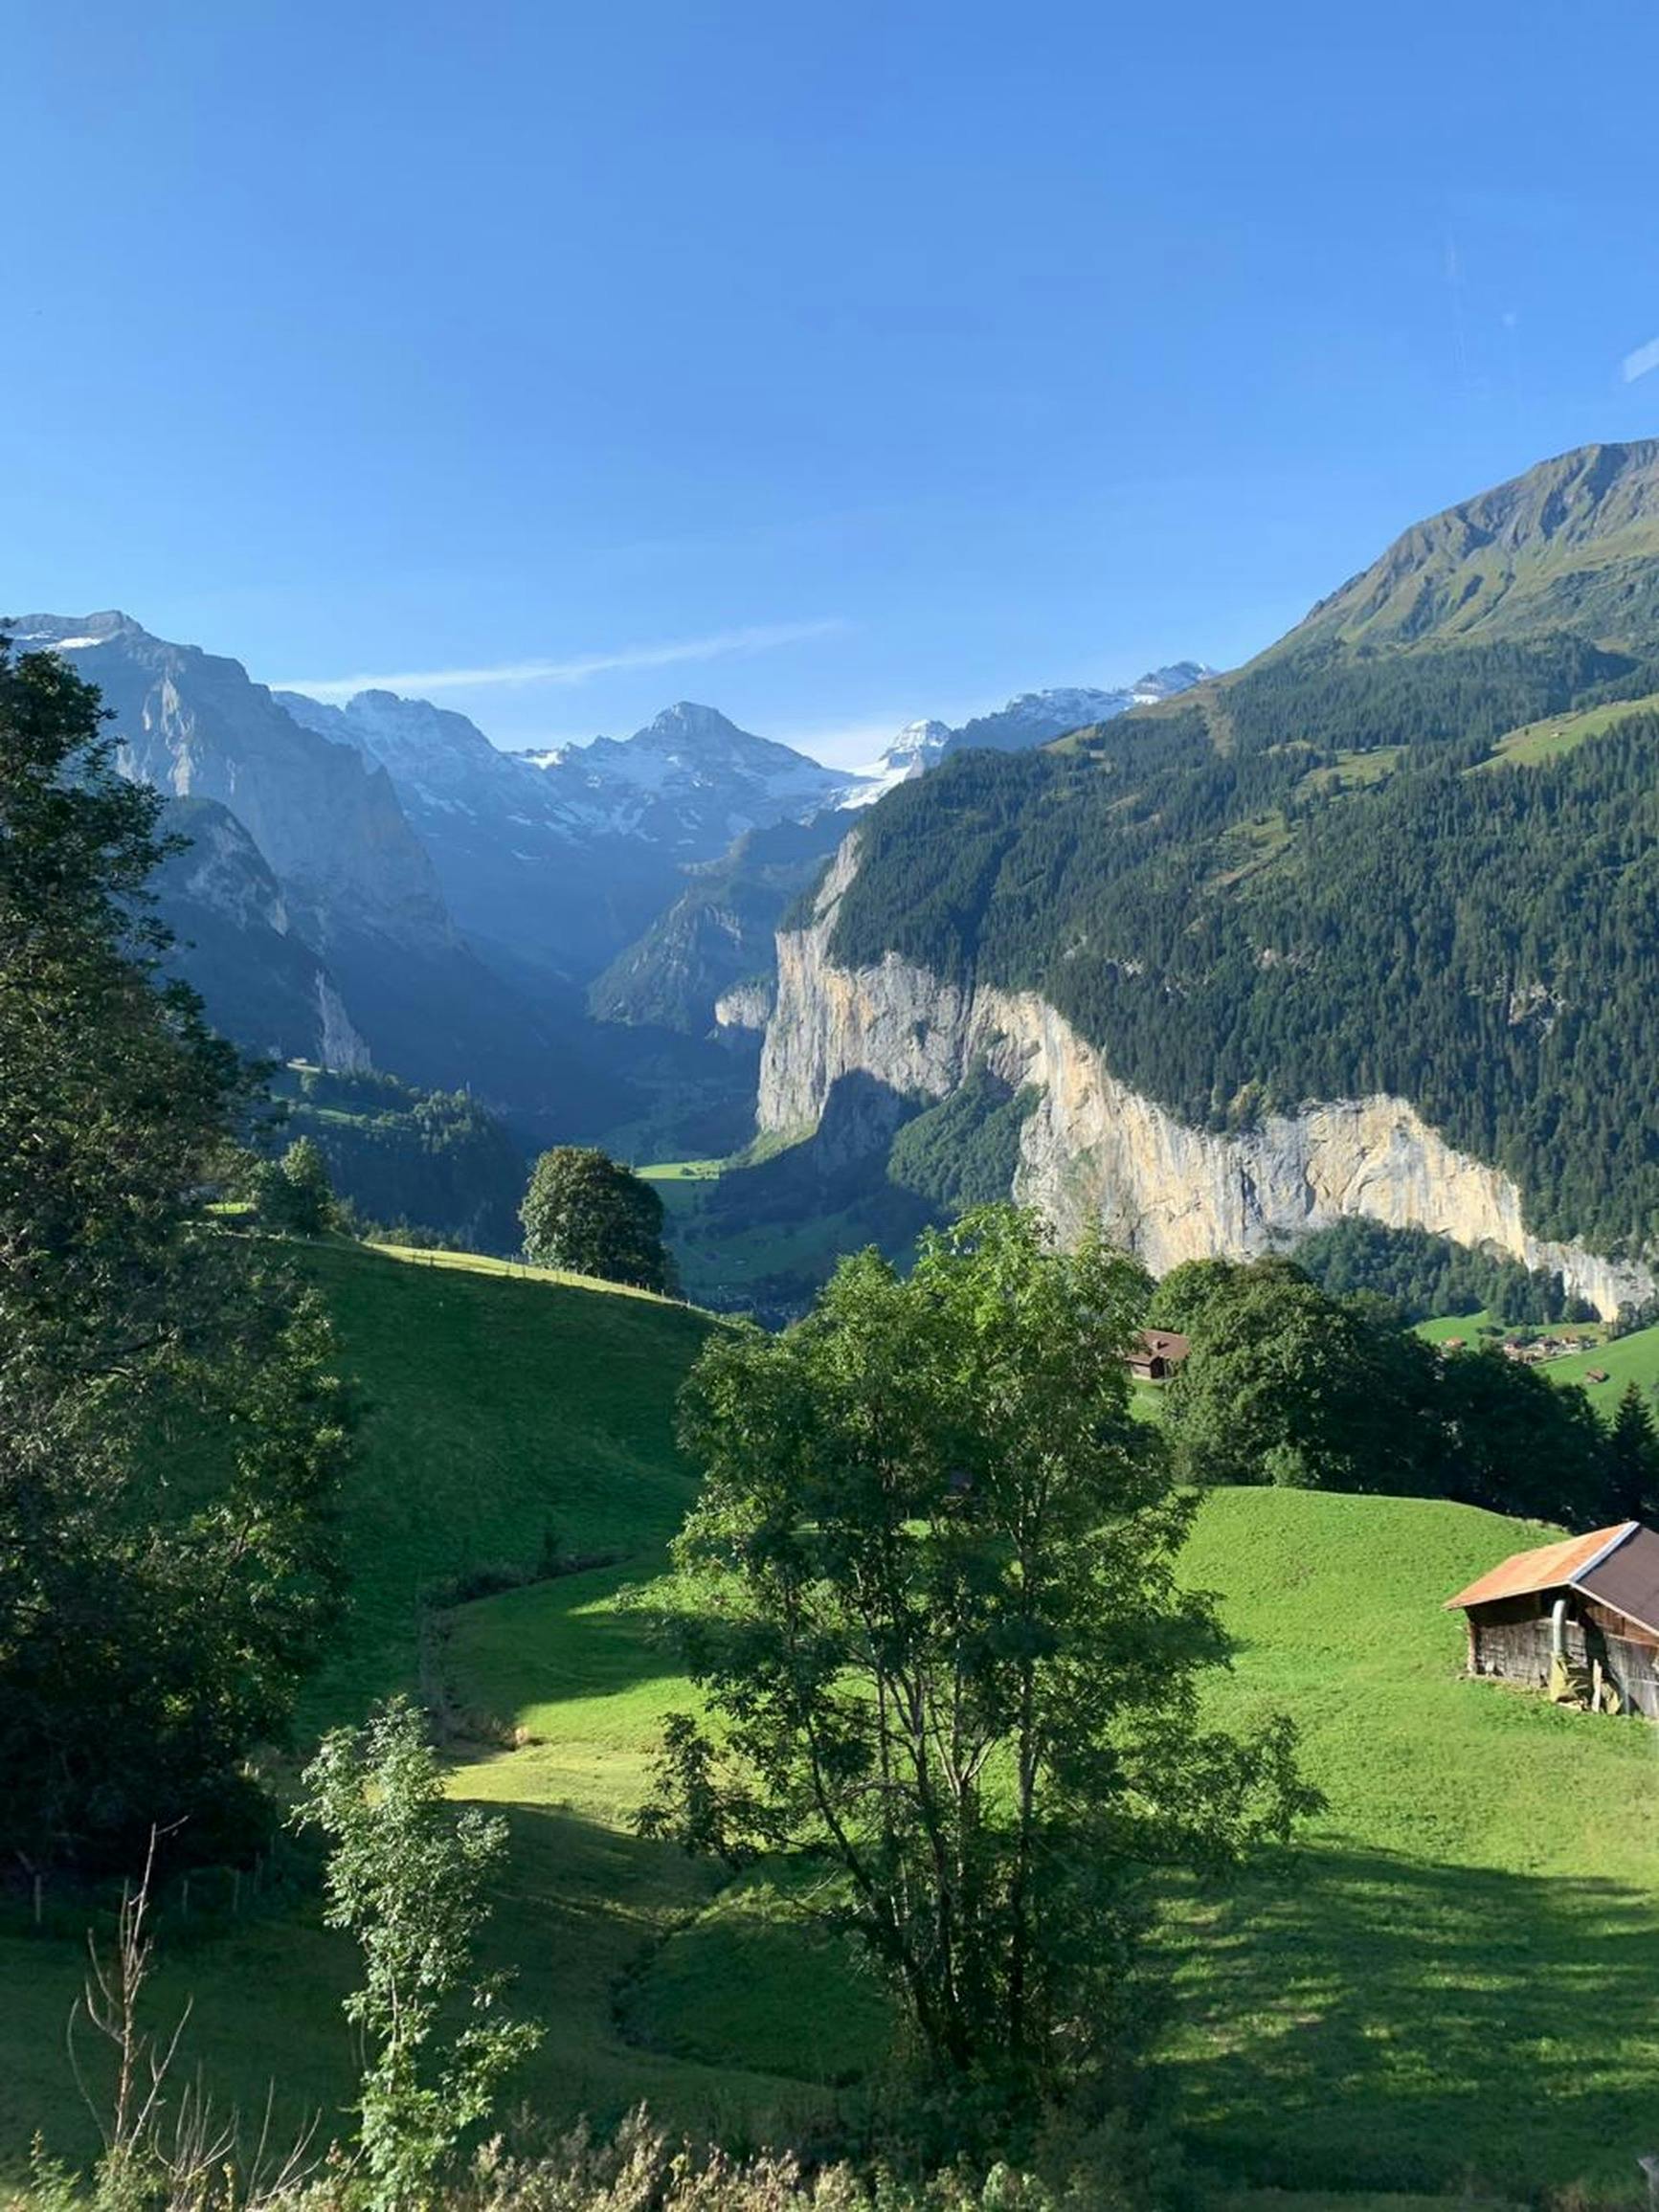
(1093, 1150)
(745, 1005)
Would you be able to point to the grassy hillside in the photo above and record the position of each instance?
(1451, 1980)
(501, 1405)
(497, 1403)
(1633, 1358)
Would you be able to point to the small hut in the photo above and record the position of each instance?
(1579, 1619)
(1156, 1353)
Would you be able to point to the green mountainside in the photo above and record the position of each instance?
(1571, 544)
(1290, 884)
(435, 1161)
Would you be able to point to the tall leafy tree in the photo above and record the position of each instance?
(169, 1433)
(292, 1194)
(930, 1594)
(586, 1212)
(1286, 1384)
(409, 1880)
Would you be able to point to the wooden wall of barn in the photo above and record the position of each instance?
(1511, 1641)
(1517, 1648)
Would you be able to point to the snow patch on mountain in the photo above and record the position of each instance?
(1034, 718)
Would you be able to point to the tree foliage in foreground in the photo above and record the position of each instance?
(170, 1437)
(928, 1590)
(408, 1880)
(586, 1212)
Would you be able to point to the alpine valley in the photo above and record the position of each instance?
(1368, 928)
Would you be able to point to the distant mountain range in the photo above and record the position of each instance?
(719, 932)
(1035, 718)
(563, 856)
(376, 883)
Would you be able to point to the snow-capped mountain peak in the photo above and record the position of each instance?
(425, 748)
(1034, 718)
(912, 752)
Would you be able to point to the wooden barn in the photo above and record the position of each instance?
(1156, 1353)
(1579, 1619)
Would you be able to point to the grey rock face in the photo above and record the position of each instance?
(1094, 1150)
(197, 726)
(567, 855)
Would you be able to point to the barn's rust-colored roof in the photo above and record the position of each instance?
(1549, 1566)
(1161, 1343)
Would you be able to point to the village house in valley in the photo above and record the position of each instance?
(1579, 1619)
(1156, 1353)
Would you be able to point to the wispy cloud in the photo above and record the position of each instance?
(758, 637)
(1645, 358)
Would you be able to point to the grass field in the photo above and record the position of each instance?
(1451, 1983)
(1632, 1358)
(1563, 733)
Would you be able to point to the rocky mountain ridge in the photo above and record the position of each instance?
(1094, 1151)
(308, 912)
(195, 725)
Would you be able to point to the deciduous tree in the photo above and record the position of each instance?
(586, 1212)
(929, 1593)
(407, 1879)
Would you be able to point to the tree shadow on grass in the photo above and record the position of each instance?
(575, 1637)
(585, 1910)
(1368, 2020)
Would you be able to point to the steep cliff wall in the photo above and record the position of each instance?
(1094, 1150)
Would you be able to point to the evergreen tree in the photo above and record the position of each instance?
(170, 1437)
(1633, 1460)
(585, 1212)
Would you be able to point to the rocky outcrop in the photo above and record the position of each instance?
(1094, 1150)
(745, 1005)
(339, 1045)
(327, 821)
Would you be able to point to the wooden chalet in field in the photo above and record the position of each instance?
(1579, 1619)
(1156, 1353)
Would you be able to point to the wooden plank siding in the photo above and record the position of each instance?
(1510, 1642)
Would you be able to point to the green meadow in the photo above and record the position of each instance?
(1446, 1988)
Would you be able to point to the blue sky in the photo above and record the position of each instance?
(836, 364)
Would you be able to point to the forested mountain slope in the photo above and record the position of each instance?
(1324, 879)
